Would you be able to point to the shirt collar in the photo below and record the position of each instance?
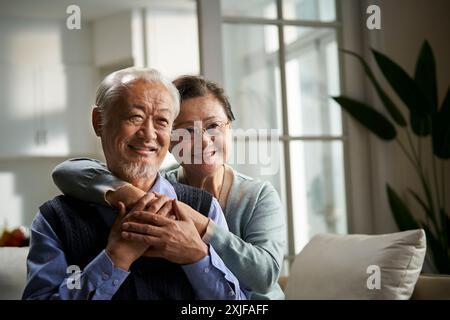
(163, 186)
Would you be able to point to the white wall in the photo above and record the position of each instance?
(175, 32)
(25, 184)
(112, 39)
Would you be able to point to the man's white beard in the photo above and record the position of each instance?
(138, 170)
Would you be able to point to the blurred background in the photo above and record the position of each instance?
(279, 63)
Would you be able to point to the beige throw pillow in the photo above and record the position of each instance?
(358, 266)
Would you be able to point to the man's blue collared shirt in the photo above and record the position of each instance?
(48, 272)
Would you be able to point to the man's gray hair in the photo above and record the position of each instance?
(113, 86)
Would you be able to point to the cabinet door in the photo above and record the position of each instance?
(51, 105)
(81, 82)
(68, 93)
(46, 110)
(18, 122)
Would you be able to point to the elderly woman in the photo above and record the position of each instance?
(253, 248)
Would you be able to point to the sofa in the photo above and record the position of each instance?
(369, 267)
(13, 272)
(428, 287)
(329, 267)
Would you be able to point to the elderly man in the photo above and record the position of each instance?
(134, 112)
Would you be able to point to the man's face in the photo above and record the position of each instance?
(136, 135)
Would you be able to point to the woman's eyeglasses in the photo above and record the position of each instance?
(212, 129)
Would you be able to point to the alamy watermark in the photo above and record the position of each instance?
(73, 280)
(374, 20)
(73, 21)
(374, 280)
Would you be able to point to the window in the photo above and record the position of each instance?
(170, 43)
(280, 67)
(171, 37)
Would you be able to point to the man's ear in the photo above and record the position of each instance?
(97, 121)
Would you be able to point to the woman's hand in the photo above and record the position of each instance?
(200, 221)
(128, 194)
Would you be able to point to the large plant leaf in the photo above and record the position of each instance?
(420, 126)
(447, 225)
(440, 255)
(444, 231)
(428, 195)
(441, 129)
(368, 117)
(425, 207)
(402, 215)
(405, 87)
(391, 108)
(425, 75)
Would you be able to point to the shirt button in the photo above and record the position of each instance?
(231, 293)
(206, 270)
(105, 276)
(115, 282)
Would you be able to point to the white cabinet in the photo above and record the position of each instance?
(17, 117)
(113, 37)
(45, 110)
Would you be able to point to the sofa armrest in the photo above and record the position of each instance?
(432, 286)
(13, 272)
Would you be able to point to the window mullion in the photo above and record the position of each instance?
(285, 129)
(210, 39)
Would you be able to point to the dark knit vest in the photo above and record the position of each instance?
(83, 233)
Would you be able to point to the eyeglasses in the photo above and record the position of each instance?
(212, 129)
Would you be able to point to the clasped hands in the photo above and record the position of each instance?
(156, 226)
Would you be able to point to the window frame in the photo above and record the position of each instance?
(355, 140)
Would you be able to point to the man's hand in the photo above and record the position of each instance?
(129, 195)
(175, 240)
(124, 252)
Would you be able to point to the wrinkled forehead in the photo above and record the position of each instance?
(149, 94)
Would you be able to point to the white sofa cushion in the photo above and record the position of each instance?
(13, 272)
(345, 266)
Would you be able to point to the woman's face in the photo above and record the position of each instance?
(203, 135)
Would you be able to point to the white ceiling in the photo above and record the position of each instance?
(90, 9)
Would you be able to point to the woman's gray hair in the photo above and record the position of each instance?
(113, 86)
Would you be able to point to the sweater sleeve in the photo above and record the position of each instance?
(85, 179)
(256, 258)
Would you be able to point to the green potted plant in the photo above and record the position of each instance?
(427, 120)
